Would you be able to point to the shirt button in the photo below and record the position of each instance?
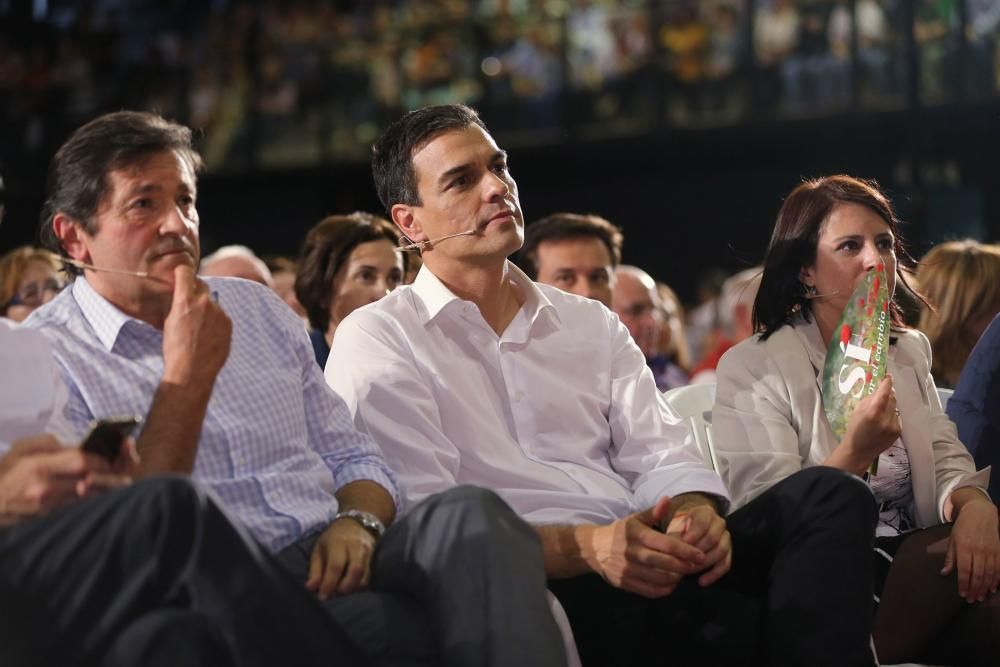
(518, 395)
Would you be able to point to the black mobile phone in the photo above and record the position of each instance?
(107, 436)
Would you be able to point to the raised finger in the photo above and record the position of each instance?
(184, 283)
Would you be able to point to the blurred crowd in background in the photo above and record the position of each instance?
(308, 82)
(278, 84)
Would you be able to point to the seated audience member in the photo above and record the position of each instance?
(735, 321)
(637, 304)
(934, 516)
(29, 277)
(576, 253)
(151, 572)
(283, 271)
(703, 319)
(673, 341)
(975, 405)
(961, 282)
(476, 374)
(273, 442)
(236, 261)
(347, 261)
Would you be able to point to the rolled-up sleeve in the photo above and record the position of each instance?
(350, 453)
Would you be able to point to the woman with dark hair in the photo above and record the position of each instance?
(347, 261)
(937, 545)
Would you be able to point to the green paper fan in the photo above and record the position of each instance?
(856, 359)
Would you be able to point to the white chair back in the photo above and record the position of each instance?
(694, 404)
(944, 395)
(559, 614)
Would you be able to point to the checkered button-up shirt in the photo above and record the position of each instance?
(276, 442)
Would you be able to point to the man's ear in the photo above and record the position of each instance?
(403, 216)
(72, 237)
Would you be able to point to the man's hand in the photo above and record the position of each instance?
(696, 522)
(341, 559)
(633, 555)
(38, 475)
(196, 333)
(196, 338)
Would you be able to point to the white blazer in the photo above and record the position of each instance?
(768, 420)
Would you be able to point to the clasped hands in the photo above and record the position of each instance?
(650, 552)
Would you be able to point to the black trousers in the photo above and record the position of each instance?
(459, 580)
(154, 574)
(799, 591)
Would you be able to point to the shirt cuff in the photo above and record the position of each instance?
(373, 470)
(657, 484)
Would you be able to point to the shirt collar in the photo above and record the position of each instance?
(434, 295)
(106, 320)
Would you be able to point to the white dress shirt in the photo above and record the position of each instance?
(32, 393)
(559, 414)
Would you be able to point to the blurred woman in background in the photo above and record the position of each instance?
(29, 277)
(961, 281)
(347, 261)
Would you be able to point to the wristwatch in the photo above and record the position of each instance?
(368, 521)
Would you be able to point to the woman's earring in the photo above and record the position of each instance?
(811, 292)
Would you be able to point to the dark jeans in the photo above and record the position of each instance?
(799, 591)
(459, 580)
(155, 573)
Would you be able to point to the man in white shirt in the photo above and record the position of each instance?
(96, 569)
(475, 374)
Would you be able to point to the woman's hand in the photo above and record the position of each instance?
(974, 549)
(872, 429)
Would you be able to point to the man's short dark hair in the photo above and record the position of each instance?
(392, 155)
(78, 175)
(563, 226)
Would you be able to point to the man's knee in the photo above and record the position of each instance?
(473, 511)
(172, 493)
(833, 490)
(172, 504)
